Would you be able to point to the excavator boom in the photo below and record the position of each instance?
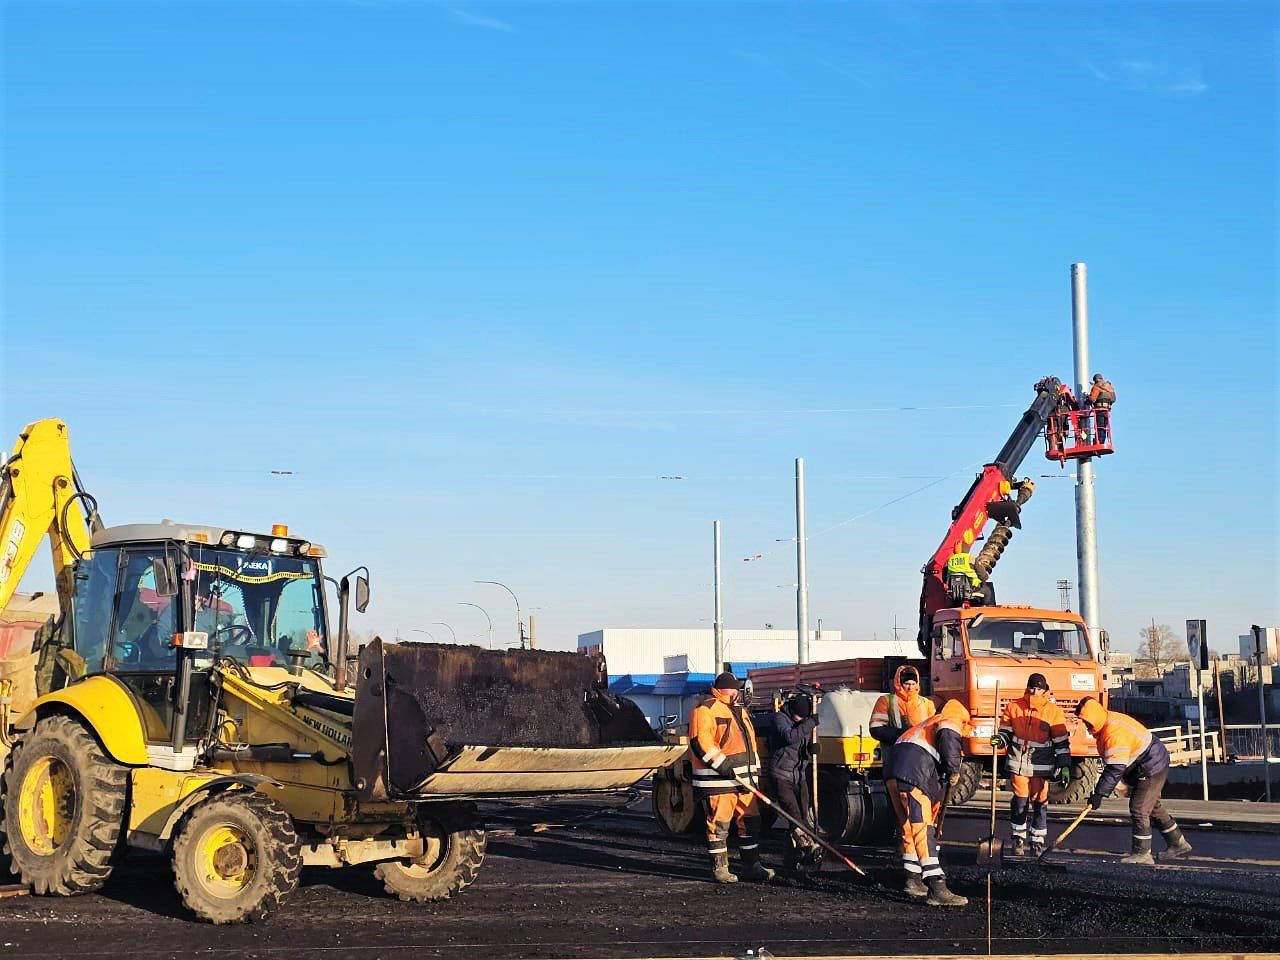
(40, 496)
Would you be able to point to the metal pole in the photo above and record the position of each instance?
(1222, 713)
(718, 623)
(519, 617)
(487, 618)
(802, 573)
(1204, 763)
(533, 640)
(1262, 712)
(441, 623)
(1086, 511)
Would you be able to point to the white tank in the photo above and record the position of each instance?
(846, 713)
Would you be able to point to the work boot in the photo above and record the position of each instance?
(1018, 847)
(753, 869)
(1037, 848)
(1178, 846)
(720, 869)
(915, 888)
(1141, 853)
(940, 896)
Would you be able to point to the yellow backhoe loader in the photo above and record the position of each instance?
(192, 701)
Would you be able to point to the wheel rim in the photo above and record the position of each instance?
(434, 845)
(47, 805)
(228, 861)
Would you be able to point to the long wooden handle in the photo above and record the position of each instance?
(1067, 832)
(802, 827)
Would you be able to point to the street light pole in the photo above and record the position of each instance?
(487, 618)
(427, 632)
(718, 623)
(802, 573)
(519, 617)
(1262, 712)
(441, 623)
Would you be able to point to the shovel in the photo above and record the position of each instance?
(1065, 833)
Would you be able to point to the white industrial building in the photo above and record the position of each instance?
(653, 651)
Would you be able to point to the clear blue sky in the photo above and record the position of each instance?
(480, 274)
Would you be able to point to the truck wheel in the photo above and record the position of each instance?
(64, 802)
(674, 808)
(970, 777)
(235, 857)
(1084, 777)
(455, 846)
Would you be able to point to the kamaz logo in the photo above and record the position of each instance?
(336, 734)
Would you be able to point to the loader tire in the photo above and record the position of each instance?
(1085, 772)
(235, 857)
(455, 850)
(674, 807)
(64, 802)
(967, 786)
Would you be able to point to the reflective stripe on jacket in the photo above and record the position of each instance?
(721, 740)
(930, 746)
(895, 713)
(1036, 729)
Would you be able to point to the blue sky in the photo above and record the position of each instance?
(481, 274)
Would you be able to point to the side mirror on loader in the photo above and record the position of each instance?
(340, 653)
(166, 575)
(362, 593)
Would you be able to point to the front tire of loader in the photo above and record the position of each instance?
(455, 847)
(1084, 777)
(64, 801)
(235, 857)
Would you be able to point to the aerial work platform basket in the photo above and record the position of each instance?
(1078, 434)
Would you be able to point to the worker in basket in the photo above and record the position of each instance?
(895, 713)
(723, 744)
(1100, 397)
(1130, 753)
(1033, 728)
(794, 725)
(924, 758)
(962, 580)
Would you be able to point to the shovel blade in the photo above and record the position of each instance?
(991, 852)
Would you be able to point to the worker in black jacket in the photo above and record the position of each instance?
(789, 760)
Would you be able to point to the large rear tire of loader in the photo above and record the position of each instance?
(455, 847)
(235, 857)
(674, 807)
(64, 802)
(1085, 772)
(971, 772)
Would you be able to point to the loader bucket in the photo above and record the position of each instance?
(435, 720)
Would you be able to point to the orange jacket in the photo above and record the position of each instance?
(722, 739)
(1127, 748)
(1102, 394)
(931, 744)
(1036, 729)
(897, 712)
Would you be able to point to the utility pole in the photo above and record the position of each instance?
(1262, 712)
(1086, 510)
(533, 640)
(802, 573)
(718, 622)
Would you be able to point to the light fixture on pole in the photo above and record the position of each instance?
(519, 617)
(487, 618)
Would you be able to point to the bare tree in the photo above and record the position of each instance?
(1159, 648)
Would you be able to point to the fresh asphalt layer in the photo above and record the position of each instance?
(610, 885)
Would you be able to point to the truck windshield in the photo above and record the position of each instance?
(1059, 639)
(258, 608)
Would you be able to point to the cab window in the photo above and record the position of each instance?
(145, 622)
(91, 609)
(947, 642)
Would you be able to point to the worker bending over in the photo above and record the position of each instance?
(723, 744)
(1034, 729)
(1130, 753)
(895, 713)
(925, 757)
(794, 725)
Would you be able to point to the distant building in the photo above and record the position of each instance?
(1270, 653)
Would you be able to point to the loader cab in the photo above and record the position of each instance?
(157, 605)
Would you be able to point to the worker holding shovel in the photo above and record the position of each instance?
(925, 759)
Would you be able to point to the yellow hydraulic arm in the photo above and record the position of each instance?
(40, 495)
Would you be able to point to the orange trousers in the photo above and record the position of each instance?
(919, 835)
(725, 808)
(1029, 803)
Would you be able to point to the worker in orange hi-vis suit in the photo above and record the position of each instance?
(1034, 730)
(723, 744)
(925, 757)
(896, 713)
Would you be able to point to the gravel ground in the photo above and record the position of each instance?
(612, 887)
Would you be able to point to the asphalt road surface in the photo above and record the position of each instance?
(611, 886)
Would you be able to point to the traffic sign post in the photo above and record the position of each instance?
(1198, 648)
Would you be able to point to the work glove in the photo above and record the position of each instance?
(998, 741)
(953, 779)
(1095, 801)
(1062, 775)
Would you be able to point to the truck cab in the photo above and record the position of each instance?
(980, 652)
